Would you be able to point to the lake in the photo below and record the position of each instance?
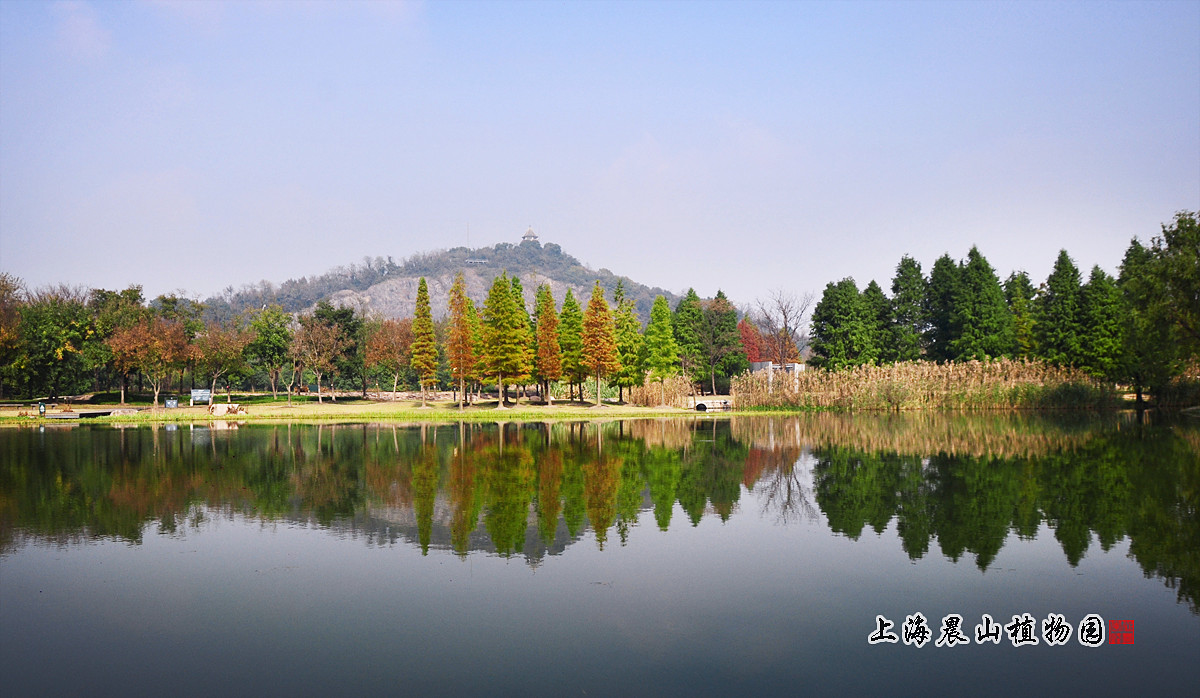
(692, 556)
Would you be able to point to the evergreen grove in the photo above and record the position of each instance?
(1140, 329)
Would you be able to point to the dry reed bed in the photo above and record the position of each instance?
(678, 391)
(999, 384)
(922, 434)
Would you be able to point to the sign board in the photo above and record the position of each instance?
(172, 403)
(202, 395)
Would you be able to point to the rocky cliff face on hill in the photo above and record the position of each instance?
(388, 289)
(397, 297)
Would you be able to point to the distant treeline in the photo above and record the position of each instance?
(1141, 328)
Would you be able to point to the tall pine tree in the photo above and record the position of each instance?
(908, 313)
(686, 322)
(939, 307)
(841, 327)
(629, 342)
(983, 326)
(548, 359)
(1019, 294)
(570, 339)
(599, 339)
(661, 355)
(505, 337)
(460, 343)
(879, 321)
(424, 346)
(1057, 328)
(1102, 310)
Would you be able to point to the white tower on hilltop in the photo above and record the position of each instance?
(529, 235)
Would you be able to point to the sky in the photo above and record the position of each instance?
(192, 146)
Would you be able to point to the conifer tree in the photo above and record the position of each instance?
(686, 321)
(879, 322)
(939, 305)
(505, 337)
(1102, 310)
(842, 327)
(982, 324)
(599, 339)
(570, 339)
(661, 355)
(908, 314)
(1019, 294)
(548, 359)
(1149, 354)
(424, 343)
(629, 342)
(518, 294)
(1056, 329)
(720, 342)
(476, 324)
(460, 343)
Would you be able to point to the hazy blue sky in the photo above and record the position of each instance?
(744, 146)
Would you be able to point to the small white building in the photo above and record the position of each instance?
(529, 235)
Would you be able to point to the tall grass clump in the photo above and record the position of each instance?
(915, 385)
(678, 392)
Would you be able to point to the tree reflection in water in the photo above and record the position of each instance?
(962, 483)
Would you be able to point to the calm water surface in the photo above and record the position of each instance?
(657, 557)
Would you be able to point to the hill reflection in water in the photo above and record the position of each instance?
(955, 483)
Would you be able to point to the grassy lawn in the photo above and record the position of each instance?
(349, 409)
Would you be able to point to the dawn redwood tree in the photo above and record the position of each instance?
(939, 308)
(879, 321)
(222, 349)
(1102, 310)
(518, 295)
(505, 337)
(1057, 327)
(390, 348)
(570, 339)
(983, 326)
(1019, 294)
(629, 342)
(599, 339)
(424, 344)
(272, 340)
(660, 351)
(752, 340)
(548, 357)
(460, 340)
(842, 331)
(686, 321)
(908, 313)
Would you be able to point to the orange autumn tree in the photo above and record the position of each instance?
(599, 339)
(390, 348)
(154, 347)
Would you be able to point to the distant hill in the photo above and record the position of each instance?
(390, 289)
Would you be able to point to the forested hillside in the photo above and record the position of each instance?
(389, 288)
